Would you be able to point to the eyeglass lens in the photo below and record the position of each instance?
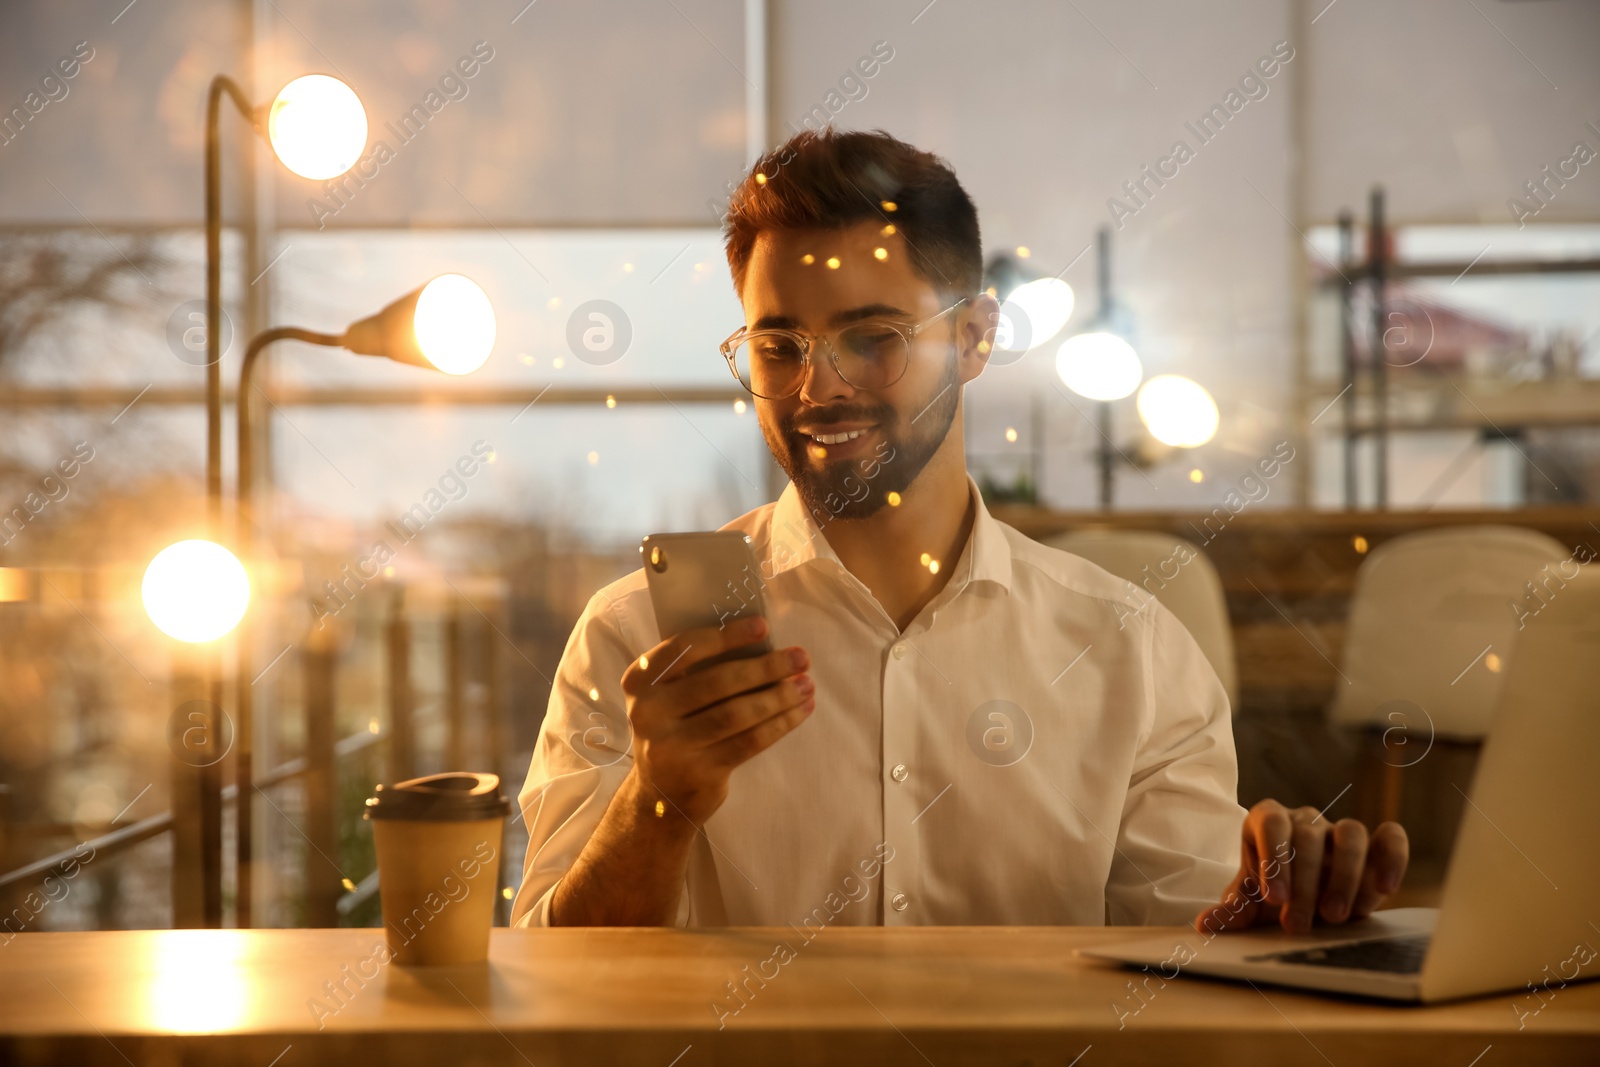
(869, 355)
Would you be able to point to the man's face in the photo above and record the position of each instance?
(789, 284)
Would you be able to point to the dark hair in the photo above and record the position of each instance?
(825, 179)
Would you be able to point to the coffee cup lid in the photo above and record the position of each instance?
(455, 796)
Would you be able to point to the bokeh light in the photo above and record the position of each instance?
(1178, 411)
(317, 126)
(454, 322)
(1099, 366)
(195, 591)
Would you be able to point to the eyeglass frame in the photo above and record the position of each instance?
(806, 341)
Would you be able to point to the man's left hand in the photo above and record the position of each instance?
(1296, 866)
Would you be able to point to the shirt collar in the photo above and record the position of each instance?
(796, 538)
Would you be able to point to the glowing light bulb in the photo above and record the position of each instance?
(1033, 314)
(454, 322)
(317, 126)
(1178, 411)
(195, 591)
(1099, 366)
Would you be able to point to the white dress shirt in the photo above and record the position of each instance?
(1041, 745)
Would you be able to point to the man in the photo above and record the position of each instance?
(958, 725)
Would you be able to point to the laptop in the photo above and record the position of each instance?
(1521, 903)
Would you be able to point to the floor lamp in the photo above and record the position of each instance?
(318, 129)
(446, 325)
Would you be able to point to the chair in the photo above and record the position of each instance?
(1429, 609)
(1433, 621)
(1194, 595)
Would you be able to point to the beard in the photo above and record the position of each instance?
(858, 488)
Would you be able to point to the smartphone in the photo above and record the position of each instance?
(704, 579)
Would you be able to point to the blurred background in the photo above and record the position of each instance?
(1430, 365)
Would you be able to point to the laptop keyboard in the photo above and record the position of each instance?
(1395, 955)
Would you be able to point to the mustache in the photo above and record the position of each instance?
(837, 416)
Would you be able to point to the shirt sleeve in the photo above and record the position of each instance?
(1178, 843)
(583, 753)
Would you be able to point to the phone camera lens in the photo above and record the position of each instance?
(658, 558)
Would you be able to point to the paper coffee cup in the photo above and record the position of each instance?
(439, 840)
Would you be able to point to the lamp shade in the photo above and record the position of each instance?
(1033, 313)
(195, 591)
(1099, 366)
(446, 325)
(1178, 411)
(317, 126)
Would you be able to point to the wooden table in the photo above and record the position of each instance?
(940, 995)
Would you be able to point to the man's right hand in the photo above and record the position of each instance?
(692, 729)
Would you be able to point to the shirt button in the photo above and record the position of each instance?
(900, 902)
(899, 650)
(899, 773)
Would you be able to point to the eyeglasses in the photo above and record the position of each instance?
(871, 354)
